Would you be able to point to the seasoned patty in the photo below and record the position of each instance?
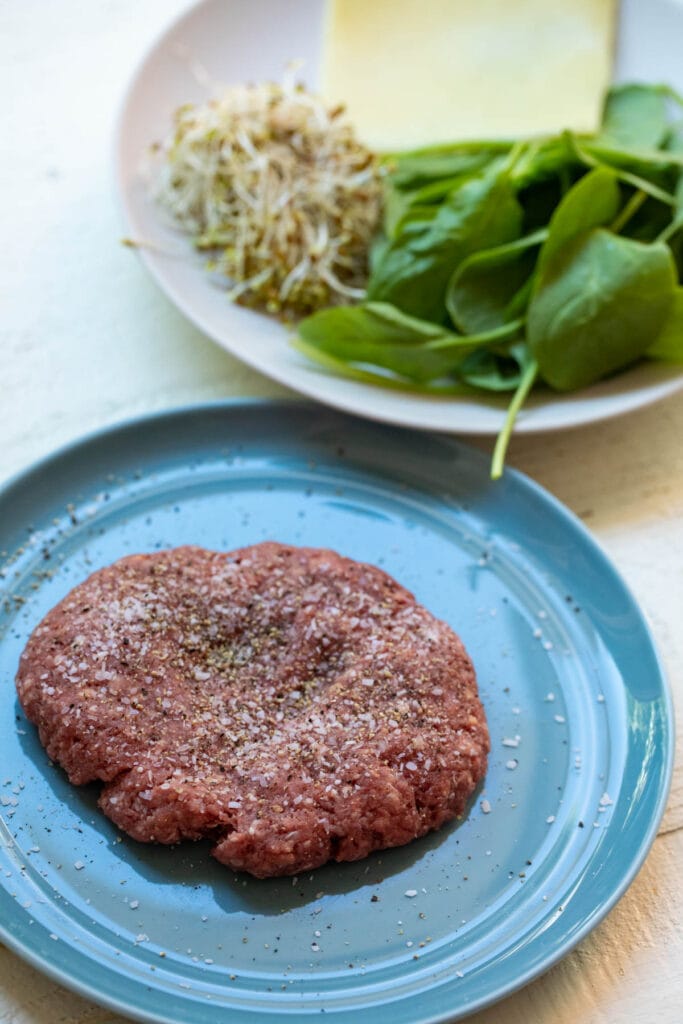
(291, 705)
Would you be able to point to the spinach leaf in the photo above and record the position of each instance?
(481, 290)
(378, 334)
(635, 115)
(396, 204)
(377, 249)
(542, 175)
(400, 206)
(409, 220)
(545, 159)
(593, 201)
(652, 179)
(416, 168)
(675, 145)
(669, 344)
(678, 208)
(416, 266)
(601, 301)
(383, 378)
(650, 163)
(497, 371)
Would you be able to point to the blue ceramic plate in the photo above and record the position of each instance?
(579, 714)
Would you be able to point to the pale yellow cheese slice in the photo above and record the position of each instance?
(414, 72)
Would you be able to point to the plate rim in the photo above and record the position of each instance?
(534, 423)
(518, 479)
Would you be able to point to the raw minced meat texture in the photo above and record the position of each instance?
(287, 703)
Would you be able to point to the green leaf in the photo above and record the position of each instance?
(497, 371)
(545, 159)
(542, 175)
(396, 205)
(416, 266)
(635, 115)
(591, 202)
(678, 208)
(656, 181)
(601, 302)
(669, 344)
(675, 145)
(378, 334)
(409, 221)
(400, 205)
(378, 247)
(651, 163)
(382, 378)
(415, 168)
(481, 290)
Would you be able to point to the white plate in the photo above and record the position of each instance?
(236, 42)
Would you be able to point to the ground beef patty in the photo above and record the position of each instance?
(289, 704)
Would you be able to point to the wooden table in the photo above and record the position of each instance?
(86, 340)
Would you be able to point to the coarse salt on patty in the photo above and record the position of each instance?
(289, 704)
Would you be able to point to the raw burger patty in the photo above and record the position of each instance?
(291, 705)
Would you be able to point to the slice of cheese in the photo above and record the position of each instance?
(415, 72)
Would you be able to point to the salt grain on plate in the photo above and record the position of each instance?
(485, 807)
(79, 865)
(560, 719)
(410, 893)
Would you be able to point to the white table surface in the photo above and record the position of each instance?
(87, 340)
